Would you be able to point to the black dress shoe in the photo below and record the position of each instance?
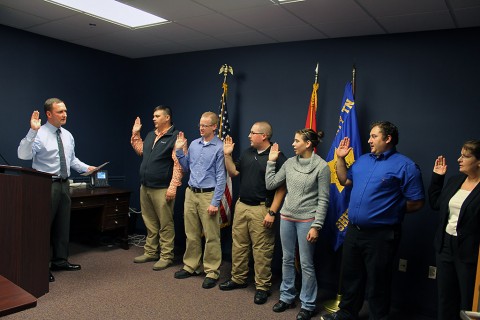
(231, 285)
(261, 296)
(183, 274)
(51, 278)
(209, 283)
(281, 306)
(304, 314)
(66, 267)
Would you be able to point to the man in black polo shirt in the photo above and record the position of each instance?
(255, 212)
(160, 175)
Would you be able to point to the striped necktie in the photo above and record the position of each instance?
(61, 153)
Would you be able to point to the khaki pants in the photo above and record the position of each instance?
(157, 214)
(198, 222)
(248, 231)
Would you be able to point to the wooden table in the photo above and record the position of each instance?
(13, 298)
(112, 204)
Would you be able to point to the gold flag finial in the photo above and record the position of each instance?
(225, 69)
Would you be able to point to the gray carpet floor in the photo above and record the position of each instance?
(111, 286)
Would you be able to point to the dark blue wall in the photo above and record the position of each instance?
(426, 83)
(94, 85)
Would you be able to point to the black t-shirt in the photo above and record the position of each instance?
(252, 166)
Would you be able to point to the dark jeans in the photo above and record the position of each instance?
(368, 264)
(60, 222)
(455, 281)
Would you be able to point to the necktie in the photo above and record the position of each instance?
(61, 153)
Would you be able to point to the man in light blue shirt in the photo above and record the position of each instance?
(205, 162)
(43, 145)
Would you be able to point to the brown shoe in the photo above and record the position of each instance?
(145, 258)
(161, 264)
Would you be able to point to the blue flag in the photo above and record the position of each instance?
(337, 216)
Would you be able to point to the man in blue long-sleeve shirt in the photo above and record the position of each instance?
(205, 162)
(52, 149)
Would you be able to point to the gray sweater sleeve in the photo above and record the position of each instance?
(323, 179)
(274, 180)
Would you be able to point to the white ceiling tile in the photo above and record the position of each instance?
(327, 11)
(295, 33)
(247, 38)
(228, 5)
(468, 17)
(75, 27)
(213, 24)
(458, 4)
(18, 19)
(39, 8)
(350, 29)
(204, 43)
(417, 22)
(175, 32)
(383, 8)
(264, 17)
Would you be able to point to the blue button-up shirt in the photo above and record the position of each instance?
(206, 165)
(41, 145)
(381, 187)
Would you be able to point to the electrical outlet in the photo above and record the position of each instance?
(402, 265)
(432, 272)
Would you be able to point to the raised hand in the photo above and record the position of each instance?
(35, 121)
(137, 125)
(228, 145)
(343, 148)
(440, 166)
(181, 141)
(274, 152)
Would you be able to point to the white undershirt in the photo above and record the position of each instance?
(454, 207)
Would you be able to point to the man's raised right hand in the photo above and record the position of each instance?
(35, 121)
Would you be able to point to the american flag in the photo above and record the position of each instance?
(223, 131)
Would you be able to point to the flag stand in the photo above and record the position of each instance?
(332, 305)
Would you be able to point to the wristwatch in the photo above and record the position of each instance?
(272, 213)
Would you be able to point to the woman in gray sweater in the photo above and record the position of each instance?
(307, 178)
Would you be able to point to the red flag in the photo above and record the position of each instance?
(311, 122)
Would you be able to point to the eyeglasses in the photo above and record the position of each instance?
(203, 126)
(251, 132)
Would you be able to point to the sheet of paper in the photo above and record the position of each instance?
(85, 174)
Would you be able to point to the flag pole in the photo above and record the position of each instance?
(223, 131)
(332, 305)
(354, 69)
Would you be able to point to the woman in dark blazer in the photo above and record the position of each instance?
(458, 235)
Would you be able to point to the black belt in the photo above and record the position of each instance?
(201, 190)
(59, 180)
(251, 203)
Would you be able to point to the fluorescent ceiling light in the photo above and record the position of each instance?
(112, 11)
(285, 1)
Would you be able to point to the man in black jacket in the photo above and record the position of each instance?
(160, 175)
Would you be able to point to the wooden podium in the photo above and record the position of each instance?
(25, 205)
